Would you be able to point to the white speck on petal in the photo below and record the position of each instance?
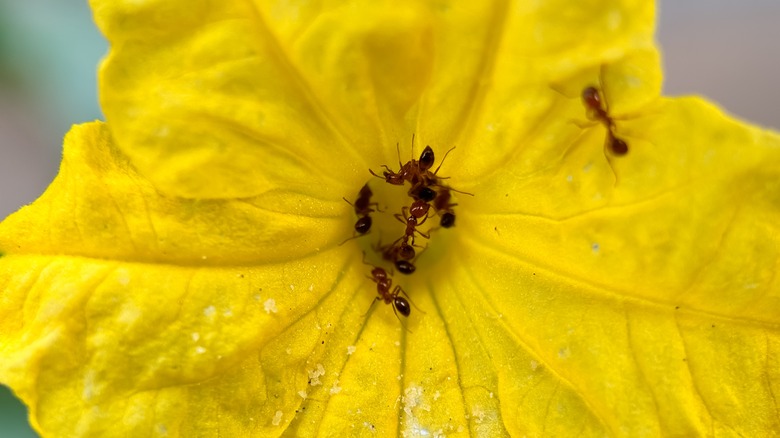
(302, 394)
(270, 305)
(227, 312)
(257, 297)
(209, 311)
(200, 350)
(436, 395)
(195, 336)
(315, 374)
(311, 287)
(292, 287)
(569, 178)
(351, 349)
(397, 343)
(335, 389)
(534, 365)
(277, 418)
(413, 400)
(478, 414)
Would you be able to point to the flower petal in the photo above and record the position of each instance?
(130, 300)
(508, 55)
(652, 296)
(205, 103)
(98, 206)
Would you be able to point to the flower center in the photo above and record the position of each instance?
(405, 215)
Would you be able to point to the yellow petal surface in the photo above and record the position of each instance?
(182, 275)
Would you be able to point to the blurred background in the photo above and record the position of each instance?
(49, 51)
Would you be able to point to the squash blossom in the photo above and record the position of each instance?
(188, 271)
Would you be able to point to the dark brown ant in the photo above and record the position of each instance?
(363, 209)
(597, 110)
(383, 285)
(443, 206)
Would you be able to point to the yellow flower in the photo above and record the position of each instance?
(182, 276)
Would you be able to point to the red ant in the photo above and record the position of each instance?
(411, 225)
(383, 285)
(401, 253)
(415, 171)
(362, 208)
(598, 110)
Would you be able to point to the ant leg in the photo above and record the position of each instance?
(378, 176)
(370, 307)
(399, 289)
(353, 237)
(345, 199)
(375, 204)
(427, 236)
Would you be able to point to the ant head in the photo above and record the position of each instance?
(363, 224)
(591, 97)
(379, 273)
(419, 208)
(402, 306)
(426, 159)
(447, 220)
(405, 267)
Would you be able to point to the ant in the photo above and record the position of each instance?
(417, 172)
(383, 285)
(363, 209)
(597, 110)
(401, 253)
(442, 204)
(411, 224)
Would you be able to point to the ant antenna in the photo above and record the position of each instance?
(442, 160)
